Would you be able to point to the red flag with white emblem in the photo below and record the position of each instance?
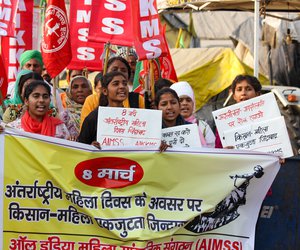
(56, 47)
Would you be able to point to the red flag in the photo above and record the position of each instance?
(3, 81)
(85, 54)
(149, 41)
(56, 46)
(13, 47)
(8, 11)
(166, 63)
(111, 21)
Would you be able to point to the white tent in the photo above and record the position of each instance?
(260, 7)
(243, 5)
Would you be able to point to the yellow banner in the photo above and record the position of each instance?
(65, 195)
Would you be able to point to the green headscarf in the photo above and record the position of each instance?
(17, 98)
(30, 54)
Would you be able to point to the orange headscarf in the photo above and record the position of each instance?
(46, 127)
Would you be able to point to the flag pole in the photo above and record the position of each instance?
(147, 93)
(178, 38)
(107, 47)
(85, 72)
(2, 101)
(56, 79)
(152, 80)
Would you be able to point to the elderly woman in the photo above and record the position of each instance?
(79, 88)
(15, 106)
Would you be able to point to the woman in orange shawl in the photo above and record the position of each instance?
(35, 119)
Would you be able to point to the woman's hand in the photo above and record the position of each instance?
(96, 144)
(72, 138)
(281, 161)
(163, 146)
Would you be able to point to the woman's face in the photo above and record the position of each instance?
(118, 66)
(244, 91)
(186, 106)
(80, 90)
(98, 87)
(26, 83)
(170, 107)
(116, 91)
(38, 103)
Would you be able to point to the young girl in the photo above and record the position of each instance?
(168, 101)
(114, 92)
(134, 100)
(187, 109)
(36, 119)
(15, 105)
(243, 87)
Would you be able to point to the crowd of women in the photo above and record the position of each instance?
(31, 108)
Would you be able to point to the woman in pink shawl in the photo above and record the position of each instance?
(187, 109)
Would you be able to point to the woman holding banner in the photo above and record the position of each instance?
(36, 119)
(243, 87)
(167, 100)
(134, 100)
(114, 92)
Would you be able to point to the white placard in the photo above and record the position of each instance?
(119, 127)
(268, 136)
(182, 136)
(260, 108)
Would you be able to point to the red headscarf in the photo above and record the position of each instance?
(46, 127)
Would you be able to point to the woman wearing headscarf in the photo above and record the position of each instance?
(187, 110)
(15, 105)
(79, 89)
(36, 119)
(29, 60)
